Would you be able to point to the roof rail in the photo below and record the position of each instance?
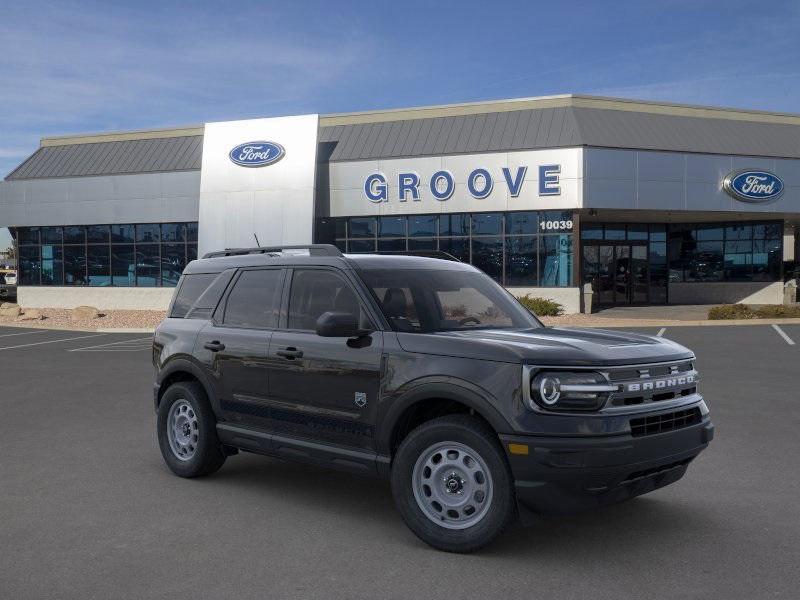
(313, 250)
(440, 254)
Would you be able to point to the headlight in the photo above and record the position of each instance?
(570, 390)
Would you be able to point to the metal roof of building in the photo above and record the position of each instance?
(182, 153)
(488, 132)
(677, 133)
(519, 124)
(561, 127)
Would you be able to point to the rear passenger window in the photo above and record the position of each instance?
(205, 305)
(254, 299)
(316, 291)
(189, 291)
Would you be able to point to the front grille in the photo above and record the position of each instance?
(665, 422)
(652, 383)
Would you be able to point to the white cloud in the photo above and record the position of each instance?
(13, 152)
(69, 68)
(716, 67)
(715, 90)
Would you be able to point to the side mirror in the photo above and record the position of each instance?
(339, 324)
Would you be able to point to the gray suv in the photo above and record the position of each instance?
(423, 371)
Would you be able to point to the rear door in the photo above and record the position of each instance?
(234, 345)
(324, 389)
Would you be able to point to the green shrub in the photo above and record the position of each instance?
(541, 307)
(731, 311)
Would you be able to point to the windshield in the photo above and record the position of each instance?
(427, 300)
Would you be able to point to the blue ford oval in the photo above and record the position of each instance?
(257, 154)
(753, 186)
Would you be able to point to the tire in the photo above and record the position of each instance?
(192, 448)
(471, 478)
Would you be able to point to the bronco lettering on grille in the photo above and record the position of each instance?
(660, 384)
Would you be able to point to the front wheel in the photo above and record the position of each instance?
(452, 484)
(187, 433)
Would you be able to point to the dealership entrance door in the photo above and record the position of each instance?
(618, 272)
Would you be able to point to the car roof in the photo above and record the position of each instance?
(405, 261)
(216, 264)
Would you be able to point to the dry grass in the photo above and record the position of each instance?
(754, 311)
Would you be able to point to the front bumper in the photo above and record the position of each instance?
(561, 475)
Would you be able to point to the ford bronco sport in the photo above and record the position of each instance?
(423, 371)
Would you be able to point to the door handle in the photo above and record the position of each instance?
(290, 353)
(214, 346)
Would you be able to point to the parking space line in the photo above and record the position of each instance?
(661, 332)
(82, 337)
(137, 342)
(24, 333)
(116, 349)
(782, 333)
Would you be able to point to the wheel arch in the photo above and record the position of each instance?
(435, 396)
(181, 369)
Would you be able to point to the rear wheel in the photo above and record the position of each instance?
(452, 484)
(187, 433)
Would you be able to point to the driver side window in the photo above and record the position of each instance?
(317, 291)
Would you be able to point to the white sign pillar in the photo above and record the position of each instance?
(264, 193)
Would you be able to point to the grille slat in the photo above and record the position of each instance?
(653, 370)
(663, 423)
(655, 470)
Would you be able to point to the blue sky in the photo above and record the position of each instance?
(74, 67)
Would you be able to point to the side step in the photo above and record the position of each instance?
(352, 460)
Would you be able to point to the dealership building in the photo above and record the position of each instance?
(650, 203)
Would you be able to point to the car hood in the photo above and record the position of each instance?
(547, 346)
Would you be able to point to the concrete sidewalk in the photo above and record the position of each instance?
(695, 312)
(656, 316)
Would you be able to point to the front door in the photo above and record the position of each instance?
(618, 272)
(638, 278)
(326, 388)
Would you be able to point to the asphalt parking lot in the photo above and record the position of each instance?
(88, 510)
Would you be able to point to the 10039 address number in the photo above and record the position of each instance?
(556, 225)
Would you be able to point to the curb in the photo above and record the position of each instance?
(665, 323)
(615, 324)
(40, 325)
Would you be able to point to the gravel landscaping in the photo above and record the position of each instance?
(583, 320)
(53, 318)
(58, 318)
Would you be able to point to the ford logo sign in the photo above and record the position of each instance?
(753, 186)
(257, 154)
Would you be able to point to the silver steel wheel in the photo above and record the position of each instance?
(452, 485)
(183, 430)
